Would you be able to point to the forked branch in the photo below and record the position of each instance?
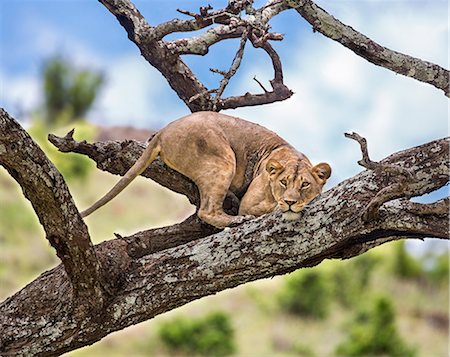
(165, 55)
(401, 184)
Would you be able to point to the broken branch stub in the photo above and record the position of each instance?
(402, 179)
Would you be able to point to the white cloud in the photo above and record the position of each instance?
(134, 94)
(19, 94)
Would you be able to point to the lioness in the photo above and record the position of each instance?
(223, 154)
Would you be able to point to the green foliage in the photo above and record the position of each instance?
(373, 333)
(307, 293)
(72, 166)
(16, 218)
(211, 335)
(404, 265)
(68, 92)
(351, 279)
(300, 349)
(439, 271)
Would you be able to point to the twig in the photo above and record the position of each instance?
(202, 94)
(233, 69)
(188, 13)
(218, 71)
(260, 84)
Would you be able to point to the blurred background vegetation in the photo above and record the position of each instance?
(387, 302)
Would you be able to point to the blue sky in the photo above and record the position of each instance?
(335, 90)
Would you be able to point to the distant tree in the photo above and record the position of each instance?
(307, 293)
(68, 92)
(373, 333)
(211, 335)
(351, 279)
(405, 266)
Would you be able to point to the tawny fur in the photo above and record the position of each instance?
(223, 154)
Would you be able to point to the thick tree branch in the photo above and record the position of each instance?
(330, 227)
(148, 283)
(44, 186)
(368, 49)
(117, 157)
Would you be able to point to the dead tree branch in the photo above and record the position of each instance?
(149, 279)
(402, 178)
(165, 55)
(233, 69)
(116, 158)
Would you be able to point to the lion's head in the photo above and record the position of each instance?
(295, 184)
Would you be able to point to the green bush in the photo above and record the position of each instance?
(404, 265)
(373, 333)
(307, 293)
(71, 165)
(69, 92)
(211, 335)
(437, 263)
(352, 278)
(300, 349)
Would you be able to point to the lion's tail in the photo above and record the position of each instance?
(150, 153)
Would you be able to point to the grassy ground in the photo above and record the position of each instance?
(261, 326)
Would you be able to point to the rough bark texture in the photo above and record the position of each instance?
(148, 279)
(46, 189)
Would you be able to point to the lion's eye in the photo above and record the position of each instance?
(305, 184)
(283, 183)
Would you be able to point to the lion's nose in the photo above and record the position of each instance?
(289, 203)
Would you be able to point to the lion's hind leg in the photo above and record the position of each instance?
(212, 193)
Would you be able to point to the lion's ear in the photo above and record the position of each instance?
(273, 167)
(322, 171)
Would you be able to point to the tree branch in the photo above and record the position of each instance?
(199, 45)
(403, 178)
(117, 158)
(179, 76)
(44, 186)
(149, 284)
(233, 69)
(368, 49)
(165, 56)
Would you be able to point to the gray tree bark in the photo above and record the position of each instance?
(155, 271)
